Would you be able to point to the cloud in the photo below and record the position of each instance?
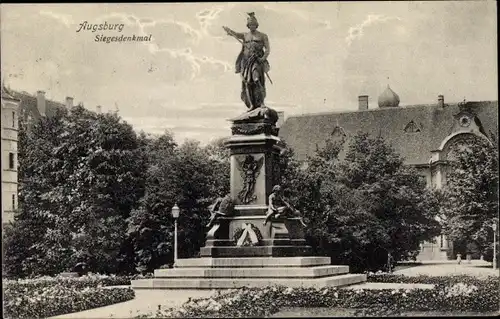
(65, 19)
(206, 17)
(196, 62)
(357, 31)
(303, 15)
(278, 20)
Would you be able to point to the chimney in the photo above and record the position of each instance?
(69, 102)
(281, 119)
(98, 109)
(40, 102)
(440, 101)
(363, 102)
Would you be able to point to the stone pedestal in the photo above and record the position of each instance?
(240, 251)
(254, 172)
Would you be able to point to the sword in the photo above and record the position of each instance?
(269, 77)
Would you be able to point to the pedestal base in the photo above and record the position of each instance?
(228, 273)
(256, 251)
(283, 238)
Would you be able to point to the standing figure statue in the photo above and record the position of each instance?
(252, 63)
(278, 207)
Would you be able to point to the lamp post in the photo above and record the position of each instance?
(175, 215)
(494, 245)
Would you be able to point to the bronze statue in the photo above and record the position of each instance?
(249, 169)
(278, 207)
(223, 206)
(252, 63)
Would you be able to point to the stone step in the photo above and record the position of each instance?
(248, 262)
(278, 272)
(231, 283)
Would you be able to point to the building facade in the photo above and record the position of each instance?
(10, 125)
(423, 135)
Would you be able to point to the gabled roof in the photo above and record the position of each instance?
(426, 127)
(29, 104)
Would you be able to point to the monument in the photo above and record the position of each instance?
(255, 237)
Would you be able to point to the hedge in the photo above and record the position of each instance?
(92, 280)
(46, 297)
(458, 294)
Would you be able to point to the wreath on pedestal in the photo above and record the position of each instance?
(247, 241)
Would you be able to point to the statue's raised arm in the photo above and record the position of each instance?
(237, 35)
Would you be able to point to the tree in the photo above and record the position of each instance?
(108, 183)
(187, 175)
(29, 247)
(80, 175)
(470, 198)
(365, 206)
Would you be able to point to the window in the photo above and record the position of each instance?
(412, 127)
(14, 119)
(338, 132)
(11, 160)
(441, 241)
(13, 202)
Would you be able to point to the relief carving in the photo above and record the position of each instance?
(249, 170)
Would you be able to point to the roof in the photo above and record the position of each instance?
(29, 104)
(413, 131)
(6, 94)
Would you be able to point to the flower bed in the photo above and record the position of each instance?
(435, 280)
(469, 294)
(92, 280)
(51, 296)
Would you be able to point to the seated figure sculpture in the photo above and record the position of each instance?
(223, 206)
(278, 207)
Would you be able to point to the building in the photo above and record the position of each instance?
(17, 106)
(422, 134)
(10, 114)
(33, 107)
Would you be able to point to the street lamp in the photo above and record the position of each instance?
(494, 245)
(175, 215)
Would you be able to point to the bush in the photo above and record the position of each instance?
(470, 294)
(46, 297)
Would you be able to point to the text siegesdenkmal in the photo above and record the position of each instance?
(118, 27)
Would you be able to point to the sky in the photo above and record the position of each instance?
(323, 56)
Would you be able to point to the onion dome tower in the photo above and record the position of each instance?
(388, 98)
